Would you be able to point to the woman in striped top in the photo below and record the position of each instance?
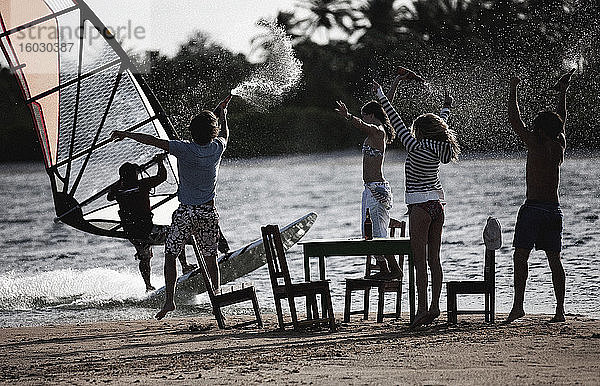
(428, 143)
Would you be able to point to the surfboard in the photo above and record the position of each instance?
(238, 263)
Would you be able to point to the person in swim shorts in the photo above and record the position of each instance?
(198, 167)
(539, 221)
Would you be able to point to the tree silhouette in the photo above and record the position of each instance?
(326, 16)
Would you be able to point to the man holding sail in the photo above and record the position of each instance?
(133, 196)
(198, 166)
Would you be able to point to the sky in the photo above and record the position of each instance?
(167, 24)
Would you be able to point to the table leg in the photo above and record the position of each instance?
(322, 277)
(411, 286)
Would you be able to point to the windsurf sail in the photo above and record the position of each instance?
(80, 85)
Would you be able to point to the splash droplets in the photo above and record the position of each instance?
(277, 75)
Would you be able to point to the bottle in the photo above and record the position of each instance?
(368, 226)
(222, 105)
(410, 75)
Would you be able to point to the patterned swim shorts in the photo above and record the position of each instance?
(199, 220)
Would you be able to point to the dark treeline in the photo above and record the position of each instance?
(470, 47)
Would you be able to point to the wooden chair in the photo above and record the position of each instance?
(221, 298)
(487, 287)
(383, 286)
(278, 271)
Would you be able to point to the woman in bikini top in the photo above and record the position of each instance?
(376, 125)
(377, 194)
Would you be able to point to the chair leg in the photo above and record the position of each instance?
(366, 303)
(292, 304)
(366, 297)
(399, 300)
(327, 296)
(219, 316)
(256, 310)
(380, 303)
(493, 306)
(315, 307)
(451, 305)
(279, 313)
(487, 307)
(347, 303)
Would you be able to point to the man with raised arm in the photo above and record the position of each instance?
(198, 164)
(539, 222)
(133, 196)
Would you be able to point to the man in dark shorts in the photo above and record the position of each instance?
(539, 222)
(133, 196)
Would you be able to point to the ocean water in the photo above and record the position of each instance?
(51, 273)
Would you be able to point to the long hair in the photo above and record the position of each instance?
(375, 108)
(431, 126)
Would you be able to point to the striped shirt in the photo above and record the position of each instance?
(423, 160)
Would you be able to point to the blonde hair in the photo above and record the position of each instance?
(431, 126)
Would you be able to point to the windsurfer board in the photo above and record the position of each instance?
(238, 263)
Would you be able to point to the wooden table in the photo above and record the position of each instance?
(359, 247)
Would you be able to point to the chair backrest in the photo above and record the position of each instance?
(489, 269)
(276, 260)
(394, 225)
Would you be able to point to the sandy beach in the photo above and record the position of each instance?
(195, 351)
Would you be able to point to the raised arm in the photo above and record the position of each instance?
(448, 100)
(514, 114)
(402, 132)
(146, 139)
(161, 174)
(562, 86)
(368, 129)
(394, 86)
(224, 133)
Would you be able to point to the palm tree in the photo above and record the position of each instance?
(441, 20)
(326, 16)
(380, 22)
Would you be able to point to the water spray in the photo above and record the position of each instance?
(279, 74)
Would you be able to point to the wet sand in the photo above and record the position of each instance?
(195, 351)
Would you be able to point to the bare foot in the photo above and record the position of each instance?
(420, 318)
(150, 288)
(432, 315)
(557, 318)
(166, 309)
(514, 315)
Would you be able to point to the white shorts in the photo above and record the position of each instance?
(379, 205)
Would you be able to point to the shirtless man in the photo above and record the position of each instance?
(539, 222)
